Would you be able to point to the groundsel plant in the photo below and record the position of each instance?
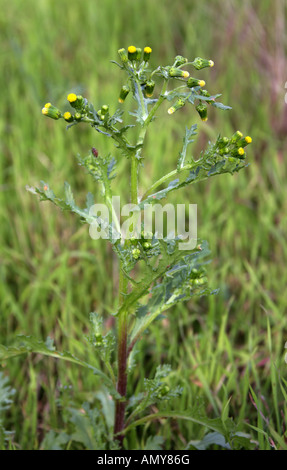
(154, 272)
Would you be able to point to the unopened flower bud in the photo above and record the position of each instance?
(241, 152)
(224, 150)
(200, 63)
(136, 253)
(222, 142)
(205, 93)
(132, 53)
(104, 109)
(149, 87)
(179, 104)
(202, 111)
(138, 54)
(98, 338)
(51, 111)
(192, 82)
(76, 101)
(238, 152)
(77, 116)
(147, 245)
(123, 55)
(175, 72)
(236, 136)
(244, 141)
(147, 53)
(100, 115)
(124, 93)
(68, 117)
(179, 60)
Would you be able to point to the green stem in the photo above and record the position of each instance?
(161, 98)
(165, 178)
(122, 362)
(123, 350)
(134, 179)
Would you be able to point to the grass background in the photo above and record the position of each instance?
(52, 274)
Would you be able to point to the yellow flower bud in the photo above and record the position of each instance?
(51, 111)
(179, 104)
(147, 53)
(192, 82)
(68, 117)
(132, 52)
(236, 136)
(76, 101)
(72, 97)
(175, 72)
(123, 93)
(200, 63)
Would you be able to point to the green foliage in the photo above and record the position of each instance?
(28, 344)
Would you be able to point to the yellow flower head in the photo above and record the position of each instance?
(132, 49)
(241, 151)
(248, 139)
(211, 63)
(51, 111)
(201, 83)
(72, 97)
(185, 74)
(147, 50)
(67, 116)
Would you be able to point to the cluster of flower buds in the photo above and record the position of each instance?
(79, 104)
(51, 111)
(144, 243)
(198, 277)
(135, 57)
(175, 71)
(233, 146)
(136, 253)
(76, 101)
(103, 113)
(163, 391)
(146, 239)
(134, 54)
